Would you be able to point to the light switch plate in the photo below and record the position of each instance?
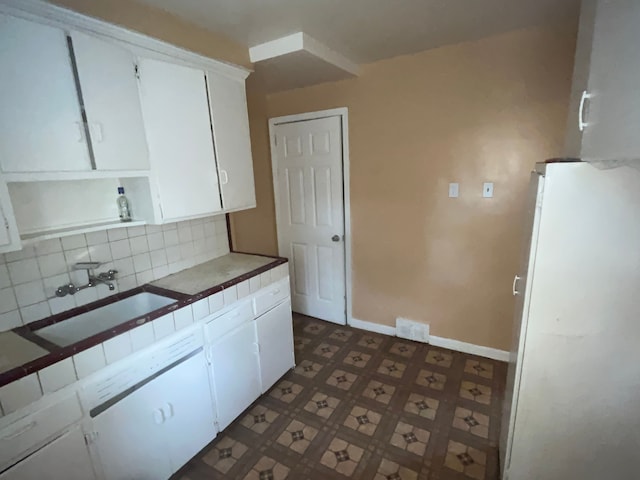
(487, 190)
(454, 190)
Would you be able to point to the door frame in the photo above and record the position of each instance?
(343, 113)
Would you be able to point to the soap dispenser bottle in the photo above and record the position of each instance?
(123, 206)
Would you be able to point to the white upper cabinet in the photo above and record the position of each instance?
(178, 126)
(107, 74)
(607, 110)
(40, 119)
(233, 146)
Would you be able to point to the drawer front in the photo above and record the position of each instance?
(35, 429)
(218, 327)
(272, 295)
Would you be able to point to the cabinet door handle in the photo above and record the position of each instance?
(158, 416)
(208, 355)
(224, 178)
(81, 132)
(515, 284)
(20, 431)
(167, 410)
(96, 132)
(581, 123)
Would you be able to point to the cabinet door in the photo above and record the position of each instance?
(188, 406)
(236, 374)
(5, 237)
(66, 458)
(275, 337)
(613, 118)
(40, 118)
(9, 236)
(107, 74)
(131, 437)
(178, 126)
(521, 289)
(232, 140)
(580, 81)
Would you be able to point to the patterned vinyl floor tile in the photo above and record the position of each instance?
(365, 406)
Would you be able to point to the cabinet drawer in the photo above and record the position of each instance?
(34, 429)
(271, 296)
(222, 325)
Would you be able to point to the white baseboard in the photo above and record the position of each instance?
(372, 327)
(449, 343)
(465, 347)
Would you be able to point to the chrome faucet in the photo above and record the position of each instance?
(105, 278)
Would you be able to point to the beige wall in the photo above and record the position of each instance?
(468, 113)
(162, 25)
(255, 230)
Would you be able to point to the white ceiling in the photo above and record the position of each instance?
(369, 30)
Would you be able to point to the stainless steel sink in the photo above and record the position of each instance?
(85, 325)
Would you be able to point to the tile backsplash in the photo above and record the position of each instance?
(29, 278)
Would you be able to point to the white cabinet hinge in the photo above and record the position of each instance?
(136, 69)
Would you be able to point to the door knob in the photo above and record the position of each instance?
(335, 238)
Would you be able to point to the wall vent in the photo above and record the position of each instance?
(412, 330)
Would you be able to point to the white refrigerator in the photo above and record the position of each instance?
(572, 406)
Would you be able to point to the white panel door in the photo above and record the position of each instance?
(310, 214)
(613, 110)
(109, 87)
(178, 126)
(66, 458)
(275, 337)
(40, 119)
(236, 373)
(190, 425)
(232, 140)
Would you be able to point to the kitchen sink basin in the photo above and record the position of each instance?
(85, 325)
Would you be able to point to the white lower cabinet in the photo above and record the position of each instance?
(66, 458)
(236, 372)
(275, 337)
(157, 428)
(146, 419)
(190, 424)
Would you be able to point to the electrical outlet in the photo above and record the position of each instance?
(454, 190)
(487, 190)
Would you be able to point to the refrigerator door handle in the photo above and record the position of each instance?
(515, 283)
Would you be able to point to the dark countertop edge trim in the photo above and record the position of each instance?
(57, 354)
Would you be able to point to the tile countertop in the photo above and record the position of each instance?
(215, 272)
(29, 353)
